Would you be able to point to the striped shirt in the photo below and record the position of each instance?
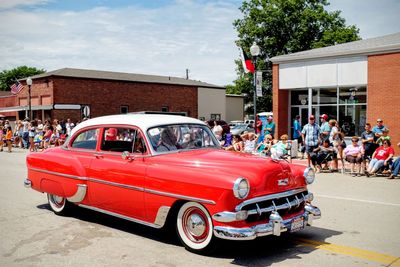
(311, 132)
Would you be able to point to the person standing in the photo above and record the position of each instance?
(310, 134)
(367, 139)
(297, 130)
(325, 129)
(9, 135)
(378, 129)
(269, 126)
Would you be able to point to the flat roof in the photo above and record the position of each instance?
(122, 76)
(378, 45)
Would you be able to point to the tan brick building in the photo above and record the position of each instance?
(64, 93)
(355, 83)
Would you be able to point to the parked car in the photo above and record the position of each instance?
(159, 170)
(241, 128)
(234, 123)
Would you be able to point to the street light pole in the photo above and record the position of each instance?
(255, 52)
(29, 83)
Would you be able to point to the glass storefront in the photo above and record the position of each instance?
(345, 104)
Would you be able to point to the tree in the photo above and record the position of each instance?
(280, 27)
(8, 77)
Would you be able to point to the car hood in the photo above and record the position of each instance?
(225, 167)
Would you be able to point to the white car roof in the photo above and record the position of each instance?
(143, 121)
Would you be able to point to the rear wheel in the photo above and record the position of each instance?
(194, 227)
(59, 205)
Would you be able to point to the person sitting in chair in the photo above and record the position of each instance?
(322, 154)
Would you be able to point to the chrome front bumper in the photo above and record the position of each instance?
(275, 226)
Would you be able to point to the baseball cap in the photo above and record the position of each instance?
(379, 120)
(324, 116)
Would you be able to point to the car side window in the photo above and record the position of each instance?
(119, 139)
(86, 139)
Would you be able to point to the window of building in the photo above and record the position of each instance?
(345, 104)
(86, 139)
(124, 109)
(164, 109)
(215, 117)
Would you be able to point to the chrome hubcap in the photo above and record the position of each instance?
(196, 225)
(58, 199)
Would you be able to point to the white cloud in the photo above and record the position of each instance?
(16, 3)
(163, 41)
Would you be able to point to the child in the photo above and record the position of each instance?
(384, 136)
(9, 135)
(281, 148)
(264, 147)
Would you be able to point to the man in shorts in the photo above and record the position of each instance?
(310, 134)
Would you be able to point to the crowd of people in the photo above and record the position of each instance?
(368, 154)
(34, 134)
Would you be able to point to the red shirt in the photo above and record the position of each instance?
(382, 153)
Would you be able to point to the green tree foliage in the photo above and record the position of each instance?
(8, 77)
(280, 27)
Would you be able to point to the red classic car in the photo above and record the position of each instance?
(153, 169)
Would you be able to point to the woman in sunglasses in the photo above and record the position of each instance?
(380, 158)
(354, 155)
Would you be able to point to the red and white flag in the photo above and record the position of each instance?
(16, 87)
(247, 63)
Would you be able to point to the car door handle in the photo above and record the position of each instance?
(98, 155)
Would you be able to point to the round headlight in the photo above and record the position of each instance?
(309, 175)
(241, 188)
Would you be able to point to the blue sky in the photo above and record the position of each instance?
(161, 37)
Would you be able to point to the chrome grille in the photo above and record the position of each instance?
(285, 203)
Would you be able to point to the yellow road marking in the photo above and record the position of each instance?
(354, 252)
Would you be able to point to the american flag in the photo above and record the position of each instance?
(16, 87)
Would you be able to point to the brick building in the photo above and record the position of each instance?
(65, 92)
(355, 83)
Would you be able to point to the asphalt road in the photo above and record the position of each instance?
(359, 227)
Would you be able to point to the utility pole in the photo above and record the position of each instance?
(187, 74)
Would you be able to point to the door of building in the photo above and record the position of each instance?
(304, 115)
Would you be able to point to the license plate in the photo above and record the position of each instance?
(297, 224)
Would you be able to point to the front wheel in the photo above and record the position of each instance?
(59, 205)
(194, 227)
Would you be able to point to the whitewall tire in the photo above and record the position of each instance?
(194, 227)
(59, 205)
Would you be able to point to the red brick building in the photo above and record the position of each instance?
(355, 83)
(64, 93)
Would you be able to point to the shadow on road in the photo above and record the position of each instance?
(262, 251)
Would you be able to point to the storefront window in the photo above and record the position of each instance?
(352, 119)
(299, 97)
(331, 111)
(328, 96)
(353, 95)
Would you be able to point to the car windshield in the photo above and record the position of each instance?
(181, 137)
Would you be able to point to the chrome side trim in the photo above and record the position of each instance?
(79, 194)
(269, 197)
(120, 216)
(141, 189)
(61, 174)
(27, 183)
(180, 196)
(162, 214)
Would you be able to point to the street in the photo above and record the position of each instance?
(359, 227)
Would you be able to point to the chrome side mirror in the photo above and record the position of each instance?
(127, 156)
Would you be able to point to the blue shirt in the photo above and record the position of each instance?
(270, 125)
(378, 129)
(296, 129)
(311, 132)
(325, 127)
